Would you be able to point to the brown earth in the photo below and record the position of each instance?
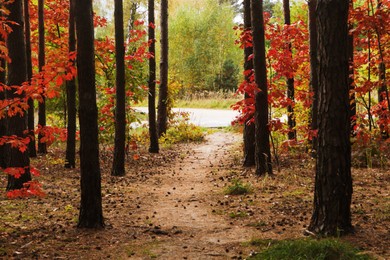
(172, 206)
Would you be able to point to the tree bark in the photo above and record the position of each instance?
(91, 213)
(249, 128)
(70, 159)
(352, 96)
(333, 182)
(118, 167)
(292, 134)
(162, 119)
(17, 74)
(313, 73)
(263, 153)
(42, 149)
(3, 120)
(153, 134)
(383, 93)
(30, 114)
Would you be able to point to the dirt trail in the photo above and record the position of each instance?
(183, 220)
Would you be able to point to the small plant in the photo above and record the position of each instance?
(238, 214)
(238, 188)
(181, 130)
(311, 249)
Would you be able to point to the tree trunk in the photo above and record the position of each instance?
(17, 74)
(91, 213)
(333, 182)
(154, 146)
(313, 73)
(3, 121)
(118, 167)
(292, 134)
(352, 97)
(263, 153)
(70, 159)
(30, 114)
(162, 119)
(41, 60)
(249, 128)
(383, 93)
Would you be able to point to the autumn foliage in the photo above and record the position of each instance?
(371, 51)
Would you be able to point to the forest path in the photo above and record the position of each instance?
(184, 224)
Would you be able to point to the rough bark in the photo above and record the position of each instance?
(352, 96)
(383, 93)
(118, 167)
(162, 118)
(3, 121)
(91, 214)
(333, 182)
(30, 114)
(263, 153)
(249, 128)
(292, 134)
(16, 75)
(42, 149)
(70, 159)
(313, 72)
(153, 135)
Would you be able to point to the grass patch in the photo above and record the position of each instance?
(261, 244)
(303, 249)
(238, 188)
(238, 214)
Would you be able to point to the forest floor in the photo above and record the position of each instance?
(172, 205)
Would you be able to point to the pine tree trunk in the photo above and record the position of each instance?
(41, 60)
(292, 134)
(91, 213)
(263, 153)
(352, 96)
(249, 128)
(30, 115)
(70, 159)
(17, 74)
(162, 119)
(153, 135)
(313, 73)
(3, 121)
(333, 182)
(118, 167)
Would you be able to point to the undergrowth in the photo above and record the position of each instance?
(303, 249)
(238, 188)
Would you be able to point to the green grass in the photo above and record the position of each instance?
(309, 249)
(238, 188)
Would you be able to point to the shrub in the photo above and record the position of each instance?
(303, 249)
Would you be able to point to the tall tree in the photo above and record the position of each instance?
(263, 153)
(31, 109)
(383, 93)
(91, 213)
(42, 149)
(70, 159)
(333, 182)
(313, 72)
(3, 121)
(249, 128)
(352, 96)
(292, 134)
(16, 75)
(153, 134)
(118, 167)
(162, 119)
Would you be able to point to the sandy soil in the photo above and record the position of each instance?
(172, 206)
